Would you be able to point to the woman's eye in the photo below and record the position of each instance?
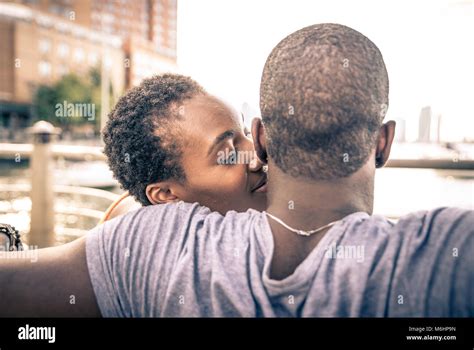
(228, 157)
(232, 159)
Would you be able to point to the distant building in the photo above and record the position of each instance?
(147, 29)
(41, 40)
(148, 20)
(424, 128)
(438, 128)
(142, 61)
(37, 48)
(152, 21)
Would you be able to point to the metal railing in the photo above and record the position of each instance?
(41, 187)
(93, 214)
(25, 150)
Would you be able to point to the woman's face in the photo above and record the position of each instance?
(216, 152)
(215, 156)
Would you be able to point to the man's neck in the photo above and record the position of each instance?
(308, 205)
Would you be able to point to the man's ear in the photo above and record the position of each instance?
(259, 139)
(384, 143)
(160, 193)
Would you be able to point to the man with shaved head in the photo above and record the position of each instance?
(317, 250)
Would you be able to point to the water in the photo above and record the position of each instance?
(399, 191)
(76, 213)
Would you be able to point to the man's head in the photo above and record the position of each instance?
(164, 140)
(323, 96)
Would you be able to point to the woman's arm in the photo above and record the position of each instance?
(50, 282)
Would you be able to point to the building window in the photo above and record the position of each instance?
(44, 46)
(60, 9)
(79, 55)
(44, 68)
(93, 59)
(63, 50)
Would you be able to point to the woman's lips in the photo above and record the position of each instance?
(261, 185)
(262, 188)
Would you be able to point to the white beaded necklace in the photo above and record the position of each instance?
(301, 232)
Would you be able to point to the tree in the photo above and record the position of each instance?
(71, 89)
(44, 101)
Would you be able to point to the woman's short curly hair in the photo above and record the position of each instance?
(140, 135)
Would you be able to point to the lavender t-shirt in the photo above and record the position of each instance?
(184, 260)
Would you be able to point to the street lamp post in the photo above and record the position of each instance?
(42, 195)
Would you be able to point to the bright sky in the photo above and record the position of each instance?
(428, 48)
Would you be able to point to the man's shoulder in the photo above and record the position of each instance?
(434, 262)
(443, 220)
(434, 239)
(417, 234)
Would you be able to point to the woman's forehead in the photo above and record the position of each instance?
(205, 118)
(209, 111)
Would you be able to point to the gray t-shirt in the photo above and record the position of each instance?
(184, 260)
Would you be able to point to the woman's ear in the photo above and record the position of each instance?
(160, 193)
(259, 139)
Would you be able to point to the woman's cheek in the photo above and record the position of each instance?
(239, 179)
